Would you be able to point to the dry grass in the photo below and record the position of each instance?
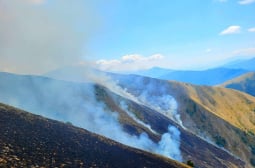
(224, 115)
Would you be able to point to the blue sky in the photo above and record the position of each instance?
(187, 33)
(37, 36)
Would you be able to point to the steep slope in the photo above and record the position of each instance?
(222, 116)
(244, 83)
(202, 153)
(28, 140)
(71, 102)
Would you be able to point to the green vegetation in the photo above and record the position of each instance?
(190, 163)
(69, 123)
(191, 107)
(253, 150)
(220, 141)
(252, 161)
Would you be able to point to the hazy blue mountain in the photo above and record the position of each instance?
(242, 64)
(206, 77)
(154, 72)
(201, 77)
(211, 77)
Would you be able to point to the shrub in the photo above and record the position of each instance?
(220, 141)
(253, 150)
(69, 123)
(190, 163)
(252, 161)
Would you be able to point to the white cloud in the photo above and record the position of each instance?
(246, 2)
(245, 52)
(252, 29)
(231, 30)
(130, 62)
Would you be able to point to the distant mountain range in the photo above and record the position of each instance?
(209, 77)
(248, 64)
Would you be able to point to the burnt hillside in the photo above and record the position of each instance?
(29, 140)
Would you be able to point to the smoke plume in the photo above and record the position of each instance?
(152, 93)
(77, 103)
(41, 35)
(124, 106)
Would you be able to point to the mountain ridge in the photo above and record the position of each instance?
(247, 64)
(244, 83)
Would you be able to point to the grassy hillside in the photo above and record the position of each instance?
(244, 83)
(225, 116)
(222, 116)
(234, 107)
(28, 140)
(202, 153)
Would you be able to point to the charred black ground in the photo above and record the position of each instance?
(29, 140)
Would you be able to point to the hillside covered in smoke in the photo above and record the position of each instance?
(122, 116)
(29, 140)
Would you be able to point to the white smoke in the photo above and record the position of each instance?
(40, 35)
(152, 94)
(169, 145)
(108, 82)
(124, 106)
(162, 103)
(77, 103)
